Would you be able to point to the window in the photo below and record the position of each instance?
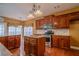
(1, 29)
(14, 30)
(28, 31)
(18, 30)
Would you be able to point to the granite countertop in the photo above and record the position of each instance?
(61, 35)
(42, 35)
(36, 36)
(57, 34)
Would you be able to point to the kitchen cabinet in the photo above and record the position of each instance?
(61, 41)
(39, 23)
(3, 41)
(13, 41)
(45, 20)
(64, 42)
(27, 46)
(55, 41)
(40, 46)
(10, 42)
(56, 21)
(34, 46)
(17, 41)
(61, 22)
(73, 16)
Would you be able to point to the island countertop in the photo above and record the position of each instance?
(36, 36)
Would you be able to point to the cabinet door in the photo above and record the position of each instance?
(33, 46)
(64, 22)
(55, 41)
(3, 41)
(61, 42)
(61, 22)
(6, 41)
(10, 42)
(27, 46)
(67, 42)
(64, 42)
(17, 41)
(56, 22)
(40, 46)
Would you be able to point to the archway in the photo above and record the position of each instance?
(74, 32)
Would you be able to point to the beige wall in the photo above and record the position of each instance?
(11, 21)
(74, 33)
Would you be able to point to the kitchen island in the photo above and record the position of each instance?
(34, 45)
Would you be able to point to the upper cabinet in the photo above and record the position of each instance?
(56, 21)
(61, 21)
(41, 22)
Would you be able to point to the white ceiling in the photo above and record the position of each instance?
(21, 10)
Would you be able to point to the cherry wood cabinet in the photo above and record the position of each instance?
(61, 21)
(64, 42)
(55, 41)
(56, 21)
(40, 45)
(61, 41)
(27, 45)
(3, 40)
(17, 41)
(41, 22)
(34, 46)
(11, 42)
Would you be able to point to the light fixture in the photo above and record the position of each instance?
(30, 16)
(55, 23)
(35, 12)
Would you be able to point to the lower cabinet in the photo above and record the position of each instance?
(61, 41)
(17, 41)
(55, 41)
(10, 42)
(3, 40)
(27, 46)
(34, 46)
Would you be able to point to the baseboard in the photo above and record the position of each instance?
(74, 47)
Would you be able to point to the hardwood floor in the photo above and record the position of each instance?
(53, 52)
(61, 52)
(15, 52)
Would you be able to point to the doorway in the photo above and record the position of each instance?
(74, 33)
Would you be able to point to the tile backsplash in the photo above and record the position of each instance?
(64, 32)
(61, 32)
